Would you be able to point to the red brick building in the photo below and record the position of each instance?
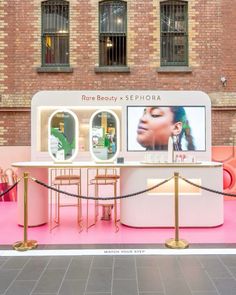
(209, 54)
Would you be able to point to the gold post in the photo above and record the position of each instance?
(25, 245)
(176, 243)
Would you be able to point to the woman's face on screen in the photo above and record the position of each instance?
(156, 126)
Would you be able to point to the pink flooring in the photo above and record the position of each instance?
(104, 232)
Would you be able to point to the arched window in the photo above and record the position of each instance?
(55, 33)
(174, 33)
(113, 33)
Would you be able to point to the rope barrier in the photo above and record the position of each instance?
(128, 195)
(10, 188)
(207, 189)
(174, 243)
(97, 198)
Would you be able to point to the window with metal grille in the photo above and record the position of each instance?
(112, 33)
(174, 33)
(55, 33)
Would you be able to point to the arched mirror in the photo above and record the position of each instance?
(104, 136)
(63, 135)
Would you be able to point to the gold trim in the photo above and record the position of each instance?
(173, 244)
(24, 246)
(115, 165)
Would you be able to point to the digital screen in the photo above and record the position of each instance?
(150, 127)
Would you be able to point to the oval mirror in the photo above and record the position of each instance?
(63, 135)
(104, 136)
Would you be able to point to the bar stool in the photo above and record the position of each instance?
(98, 177)
(64, 177)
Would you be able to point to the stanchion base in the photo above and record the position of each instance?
(24, 246)
(173, 244)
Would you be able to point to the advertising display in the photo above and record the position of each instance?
(147, 121)
(116, 128)
(149, 128)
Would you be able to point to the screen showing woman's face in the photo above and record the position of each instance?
(155, 126)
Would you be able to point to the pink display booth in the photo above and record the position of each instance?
(119, 129)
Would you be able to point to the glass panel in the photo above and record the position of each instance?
(112, 50)
(55, 17)
(56, 49)
(113, 17)
(104, 135)
(173, 48)
(173, 17)
(63, 137)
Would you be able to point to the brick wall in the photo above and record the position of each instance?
(224, 127)
(212, 45)
(15, 128)
(2, 47)
(228, 39)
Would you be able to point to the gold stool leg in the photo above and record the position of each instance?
(87, 201)
(51, 202)
(87, 218)
(87, 225)
(78, 205)
(96, 204)
(115, 207)
(79, 209)
(58, 206)
(56, 210)
(55, 206)
(50, 213)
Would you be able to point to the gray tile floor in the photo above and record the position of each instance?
(119, 275)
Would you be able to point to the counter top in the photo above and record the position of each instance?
(92, 164)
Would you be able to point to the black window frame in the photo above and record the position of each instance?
(54, 35)
(174, 33)
(110, 55)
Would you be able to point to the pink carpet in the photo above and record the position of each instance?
(104, 232)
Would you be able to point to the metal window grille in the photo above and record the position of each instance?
(55, 33)
(112, 33)
(174, 33)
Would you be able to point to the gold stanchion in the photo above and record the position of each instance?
(25, 245)
(176, 243)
